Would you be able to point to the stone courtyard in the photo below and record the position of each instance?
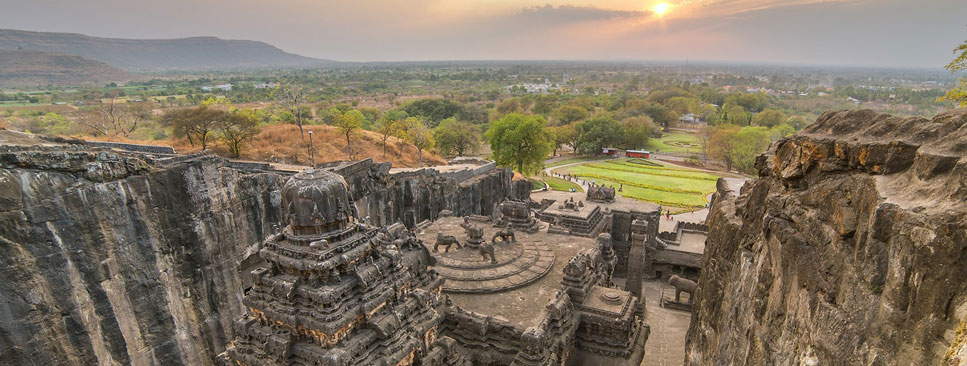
(527, 274)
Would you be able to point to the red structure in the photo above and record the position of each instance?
(637, 154)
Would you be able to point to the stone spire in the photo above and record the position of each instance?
(330, 294)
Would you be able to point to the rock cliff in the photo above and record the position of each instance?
(111, 258)
(118, 258)
(849, 249)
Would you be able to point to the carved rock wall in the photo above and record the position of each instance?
(116, 258)
(414, 196)
(108, 258)
(849, 249)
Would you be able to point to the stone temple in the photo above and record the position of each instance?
(256, 264)
(334, 290)
(332, 295)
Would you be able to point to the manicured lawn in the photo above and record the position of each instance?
(675, 141)
(622, 167)
(659, 183)
(535, 183)
(572, 160)
(660, 197)
(559, 184)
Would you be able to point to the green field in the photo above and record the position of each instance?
(536, 183)
(647, 180)
(675, 142)
(572, 160)
(558, 184)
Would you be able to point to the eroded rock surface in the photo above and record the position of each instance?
(117, 258)
(849, 249)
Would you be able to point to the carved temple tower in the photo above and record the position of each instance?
(332, 294)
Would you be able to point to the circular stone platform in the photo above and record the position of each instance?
(466, 271)
(517, 265)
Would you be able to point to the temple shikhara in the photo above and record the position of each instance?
(332, 294)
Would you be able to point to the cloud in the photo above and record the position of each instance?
(705, 8)
(577, 14)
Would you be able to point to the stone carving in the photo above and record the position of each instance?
(517, 214)
(447, 240)
(570, 204)
(505, 235)
(487, 250)
(475, 234)
(683, 285)
(600, 193)
(331, 294)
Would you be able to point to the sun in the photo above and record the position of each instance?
(660, 9)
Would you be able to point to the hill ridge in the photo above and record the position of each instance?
(198, 53)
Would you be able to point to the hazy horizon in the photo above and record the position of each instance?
(827, 33)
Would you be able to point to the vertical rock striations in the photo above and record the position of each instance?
(849, 249)
(109, 258)
(116, 258)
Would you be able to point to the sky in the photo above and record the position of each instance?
(865, 33)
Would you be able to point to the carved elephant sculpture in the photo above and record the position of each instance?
(447, 241)
(683, 285)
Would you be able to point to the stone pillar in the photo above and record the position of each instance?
(637, 257)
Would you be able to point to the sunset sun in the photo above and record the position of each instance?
(660, 9)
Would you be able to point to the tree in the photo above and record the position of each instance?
(511, 105)
(388, 126)
(115, 119)
(292, 99)
(560, 136)
(704, 139)
(348, 124)
(780, 131)
(682, 105)
(597, 134)
(419, 135)
(748, 143)
(637, 131)
(520, 141)
(237, 128)
(568, 114)
(568, 135)
(433, 110)
(53, 123)
(372, 116)
(768, 118)
(958, 94)
(544, 104)
(739, 146)
(197, 124)
(722, 144)
(797, 123)
(456, 137)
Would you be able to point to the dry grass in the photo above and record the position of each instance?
(281, 143)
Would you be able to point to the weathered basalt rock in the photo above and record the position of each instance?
(110, 257)
(849, 249)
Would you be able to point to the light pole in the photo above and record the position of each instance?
(312, 158)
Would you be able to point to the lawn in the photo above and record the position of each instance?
(658, 183)
(535, 183)
(558, 184)
(675, 142)
(572, 160)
